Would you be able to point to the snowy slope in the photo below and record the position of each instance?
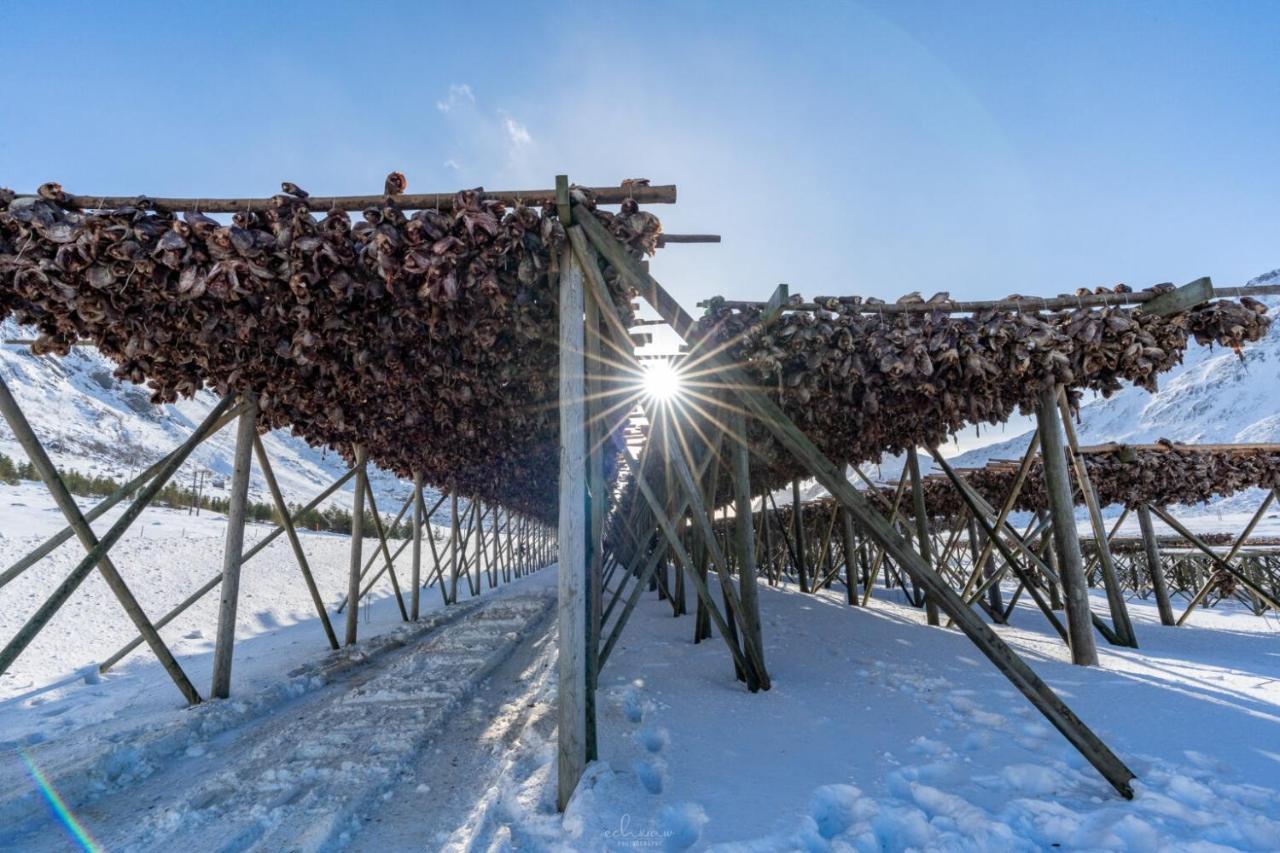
(91, 421)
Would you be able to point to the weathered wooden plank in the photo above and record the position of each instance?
(233, 549)
(357, 543)
(1066, 540)
(574, 532)
(1175, 301)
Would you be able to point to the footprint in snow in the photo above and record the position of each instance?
(652, 738)
(651, 773)
(633, 705)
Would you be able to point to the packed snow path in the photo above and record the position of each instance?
(294, 770)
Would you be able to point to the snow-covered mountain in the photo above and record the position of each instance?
(91, 421)
(1214, 396)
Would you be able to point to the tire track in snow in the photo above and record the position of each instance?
(298, 778)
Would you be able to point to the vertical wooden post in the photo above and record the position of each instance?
(767, 531)
(748, 592)
(849, 540)
(797, 525)
(574, 531)
(357, 543)
(922, 528)
(233, 549)
(419, 511)
(593, 410)
(1067, 541)
(1152, 549)
(454, 531)
(1111, 583)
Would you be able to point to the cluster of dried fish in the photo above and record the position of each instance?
(430, 338)
(1163, 477)
(862, 384)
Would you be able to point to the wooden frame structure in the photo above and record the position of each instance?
(724, 385)
(655, 528)
(510, 547)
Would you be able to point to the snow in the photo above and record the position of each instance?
(882, 733)
(53, 688)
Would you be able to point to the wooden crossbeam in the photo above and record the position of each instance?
(659, 194)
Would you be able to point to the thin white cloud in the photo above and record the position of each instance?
(516, 132)
(459, 93)
(452, 164)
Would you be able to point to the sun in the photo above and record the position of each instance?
(661, 381)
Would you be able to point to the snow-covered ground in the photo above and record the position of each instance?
(882, 733)
(879, 733)
(166, 555)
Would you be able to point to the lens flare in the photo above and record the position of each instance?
(59, 808)
(661, 380)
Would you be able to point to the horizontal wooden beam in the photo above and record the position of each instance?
(1182, 448)
(664, 239)
(1029, 304)
(662, 194)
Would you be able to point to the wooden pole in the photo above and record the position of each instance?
(1067, 541)
(575, 529)
(745, 536)
(216, 580)
(233, 549)
(47, 547)
(922, 528)
(294, 542)
(659, 194)
(455, 533)
(594, 365)
(1051, 557)
(419, 513)
(849, 540)
(357, 543)
(382, 546)
(1188, 296)
(1111, 584)
(797, 526)
(1151, 547)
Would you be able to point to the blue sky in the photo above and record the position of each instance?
(872, 148)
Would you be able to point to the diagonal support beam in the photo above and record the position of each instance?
(264, 463)
(98, 548)
(216, 580)
(699, 583)
(47, 547)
